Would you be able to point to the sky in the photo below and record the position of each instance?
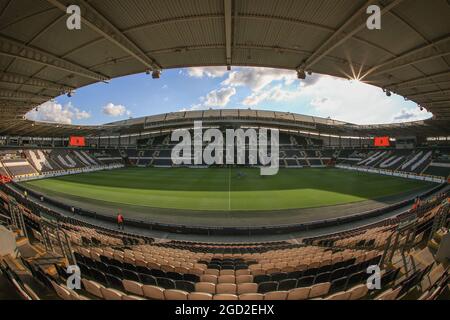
(204, 88)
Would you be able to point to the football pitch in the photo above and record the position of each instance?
(224, 189)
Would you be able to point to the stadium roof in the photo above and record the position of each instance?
(40, 58)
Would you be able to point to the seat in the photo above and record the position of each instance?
(226, 272)
(319, 290)
(225, 296)
(276, 295)
(185, 285)
(322, 277)
(226, 279)
(389, 277)
(230, 288)
(131, 275)
(165, 283)
(153, 292)
(305, 281)
(129, 297)
(62, 292)
(115, 271)
(114, 282)
(111, 294)
(251, 296)
(338, 285)
(250, 287)
(268, 286)
(214, 272)
(157, 273)
(358, 292)
(342, 295)
(354, 279)
(299, 293)
(101, 266)
(133, 287)
(98, 276)
(390, 294)
(208, 278)
(339, 273)
(287, 284)
(200, 296)
(244, 279)
(92, 287)
(205, 287)
(261, 278)
(278, 276)
(147, 279)
(174, 276)
(191, 277)
(173, 294)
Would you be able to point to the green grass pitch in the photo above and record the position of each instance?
(224, 189)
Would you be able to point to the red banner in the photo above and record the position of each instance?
(4, 179)
(77, 141)
(381, 142)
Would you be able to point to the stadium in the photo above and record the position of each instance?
(108, 211)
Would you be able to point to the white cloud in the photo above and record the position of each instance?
(210, 72)
(219, 98)
(357, 102)
(52, 111)
(115, 110)
(258, 78)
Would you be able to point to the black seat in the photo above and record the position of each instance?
(305, 281)
(165, 283)
(157, 273)
(278, 276)
(191, 277)
(131, 275)
(174, 275)
(354, 279)
(228, 267)
(339, 273)
(389, 277)
(116, 263)
(105, 259)
(142, 269)
(352, 269)
(322, 277)
(129, 266)
(295, 274)
(287, 284)
(310, 272)
(214, 266)
(261, 278)
(98, 276)
(324, 269)
(241, 267)
(114, 282)
(147, 279)
(115, 271)
(338, 285)
(268, 286)
(101, 266)
(185, 285)
(85, 271)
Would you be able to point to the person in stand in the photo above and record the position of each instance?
(120, 221)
